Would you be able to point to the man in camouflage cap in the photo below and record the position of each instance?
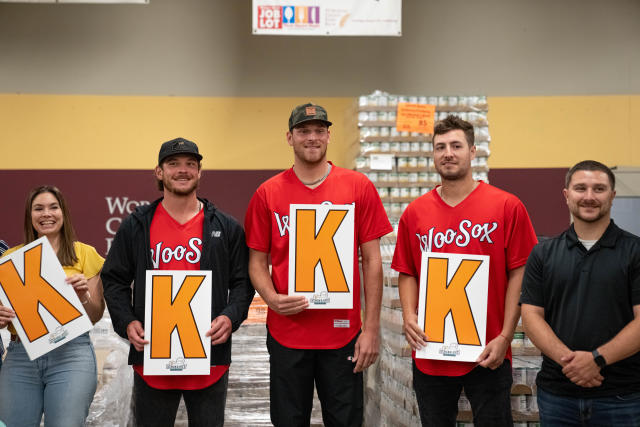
(328, 347)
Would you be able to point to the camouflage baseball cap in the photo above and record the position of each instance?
(307, 112)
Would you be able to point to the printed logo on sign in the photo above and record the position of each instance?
(450, 350)
(179, 364)
(288, 15)
(58, 335)
(321, 298)
(270, 17)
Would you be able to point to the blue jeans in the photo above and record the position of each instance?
(619, 411)
(60, 384)
(488, 391)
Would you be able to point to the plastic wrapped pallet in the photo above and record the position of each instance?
(111, 403)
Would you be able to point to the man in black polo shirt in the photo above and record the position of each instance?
(581, 308)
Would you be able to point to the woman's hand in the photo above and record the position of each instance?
(6, 314)
(80, 285)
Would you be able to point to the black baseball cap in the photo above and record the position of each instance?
(178, 146)
(307, 112)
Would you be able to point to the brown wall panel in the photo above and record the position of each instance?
(541, 192)
(100, 199)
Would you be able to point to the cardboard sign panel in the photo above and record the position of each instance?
(321, 246)
(48, 311)
(452, 305)
(177, 316)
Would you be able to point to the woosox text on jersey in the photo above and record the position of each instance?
(191, 255)
(461, 237)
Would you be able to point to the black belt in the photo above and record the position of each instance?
(15, 338)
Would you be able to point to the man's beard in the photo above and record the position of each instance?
(180, 191)
(460, 173)
(602, 212)
(311, 161)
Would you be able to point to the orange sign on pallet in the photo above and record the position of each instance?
(415, 117)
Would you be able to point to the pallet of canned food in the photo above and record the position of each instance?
(409, 171)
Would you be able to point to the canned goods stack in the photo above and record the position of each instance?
(412, 171)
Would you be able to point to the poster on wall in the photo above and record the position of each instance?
(177, 316)
(48, 311)
(327, 17)
(452, 305)
(321, 254)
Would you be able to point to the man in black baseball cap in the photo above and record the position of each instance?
(179, 231)
(178, 146)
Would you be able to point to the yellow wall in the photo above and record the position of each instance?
(124, 132)
(558, 131)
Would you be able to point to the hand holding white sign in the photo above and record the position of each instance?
(47, 311)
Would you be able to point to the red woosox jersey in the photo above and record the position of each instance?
(267, 230)
(488, 222)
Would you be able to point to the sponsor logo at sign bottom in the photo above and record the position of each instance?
(321, 298)
(58, 335)
(451, 350)
(179, 364)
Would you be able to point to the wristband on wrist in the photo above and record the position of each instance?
(599, 359)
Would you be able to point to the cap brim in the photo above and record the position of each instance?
(327, 122)
(197, 156)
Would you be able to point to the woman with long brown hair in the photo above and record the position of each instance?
(61, 383)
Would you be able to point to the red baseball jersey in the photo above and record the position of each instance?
(176, 246)
(488, 222)
(267, 230)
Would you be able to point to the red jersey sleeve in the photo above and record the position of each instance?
(372, 222)
(403, 260)
(521, 237)
(257, 222)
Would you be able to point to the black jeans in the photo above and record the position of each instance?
(293, 373)
(489, 392)
(157, 408)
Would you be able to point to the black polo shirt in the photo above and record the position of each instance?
(588, 297)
